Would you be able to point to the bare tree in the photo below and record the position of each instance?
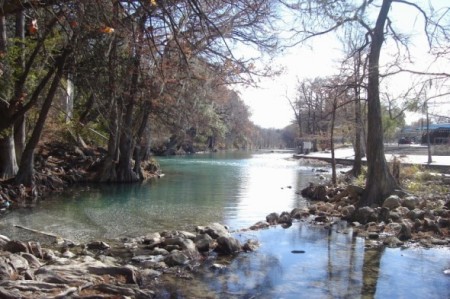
(322, 17)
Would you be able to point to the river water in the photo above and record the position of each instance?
(238, 189)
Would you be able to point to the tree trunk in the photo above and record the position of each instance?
(141, 148)
(8, 161)
(125, 171)
(25, 174)
(379, 182)
(357, 146)
(20, 124)
(333, 158)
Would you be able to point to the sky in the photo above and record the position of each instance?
(268, 103)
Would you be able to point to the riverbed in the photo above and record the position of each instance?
(238, 189)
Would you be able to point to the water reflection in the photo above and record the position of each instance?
(334, 265)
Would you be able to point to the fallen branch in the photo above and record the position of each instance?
(44, 233)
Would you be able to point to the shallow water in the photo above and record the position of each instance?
(239, 189)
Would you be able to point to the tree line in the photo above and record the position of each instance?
(143, 71)
(154, 71)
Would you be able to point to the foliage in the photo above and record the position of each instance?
(416, 179)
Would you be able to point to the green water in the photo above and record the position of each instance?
(239, 189)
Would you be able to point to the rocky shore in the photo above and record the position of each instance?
(128, 268)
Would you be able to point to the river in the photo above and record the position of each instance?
(238, 189)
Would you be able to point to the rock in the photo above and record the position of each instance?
(410, 202)
(187, 245)
(32, 260)
(15, 247)
(149, 274)
(250, 245)
(392, 242)
(393, 228)
(314, 192)
(431, 225)
(416, 214)
(394, 216)
(260, 225)
(203, 242)
(19, 263)
(176, 258)
(384, 215)
(159, 251)
(152, 239)
(285, 218)
(227, 246)
(435, 241)
(98, 245)
(130, 273)
(68, 254)
(3, 240)
(144, 258)
(347, 211)
(187, 235)
(298, 213)
(373, 236)
(272, 218)
(321, 218)
(391, 202)
(364, 215)
(35, 249)
(405, 231)
(402, 211)
(354, 191)
(215, 230)
(444, 222)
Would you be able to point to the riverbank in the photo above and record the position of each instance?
(57, 167)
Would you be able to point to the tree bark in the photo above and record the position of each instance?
(125, 172)
(379, 183)
(25, 174)
(8, 161)
(333, 158)
(20, 124)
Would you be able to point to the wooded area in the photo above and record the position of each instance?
(157, 76)
(142, 70)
